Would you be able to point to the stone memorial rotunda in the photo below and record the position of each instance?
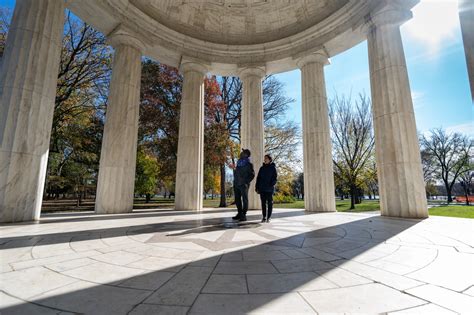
(244, 38)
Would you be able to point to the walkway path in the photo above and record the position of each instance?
(167, 262)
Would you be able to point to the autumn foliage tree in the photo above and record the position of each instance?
(216, 135)
(160, 99)
(161, 88)
(146, 175)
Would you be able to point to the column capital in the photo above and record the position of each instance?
(320, 57)
(122, 36)
(251, 71)
(192, 64)
(393, 12)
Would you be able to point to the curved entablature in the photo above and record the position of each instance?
(229, 34)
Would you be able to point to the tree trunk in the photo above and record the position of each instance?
(353, 197)
(223, 201)
(148, 198)
(448, 190)
(78, 199)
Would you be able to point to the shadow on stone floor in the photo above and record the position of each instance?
(268, 278)
(137, 213)
(55, 238)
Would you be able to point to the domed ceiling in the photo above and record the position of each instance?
(239, 22)
(228, 35)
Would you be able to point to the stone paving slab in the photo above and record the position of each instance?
(193, 263)
(104, 273)
(183, 288)
(88, 298)
(145, 309)
(27, 283)
(424, 309)
(450, 269)
(366, 299)
(230, 284)
(290, 303)
(457, 302)
(281, 283)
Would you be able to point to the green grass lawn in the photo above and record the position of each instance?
(341, 205)
(457, 211)
(366, 205)
(214, 203)
(298, 204)
(454, 210)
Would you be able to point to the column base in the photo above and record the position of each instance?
(405, 216)
(319, 211)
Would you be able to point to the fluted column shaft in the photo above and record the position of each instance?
(466, 17)
(28, 78)
(401, 185)
(116, 182)
(252, 129)
(317, 154)
(190, 164)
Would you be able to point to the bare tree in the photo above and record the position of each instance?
(428, 163)
(466, 180)
(275, 103)
(451, 154)
(281, 141)
(353, 141)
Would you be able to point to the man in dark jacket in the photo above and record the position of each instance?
(243, 175)
(265, 186)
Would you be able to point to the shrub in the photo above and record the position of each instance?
(280, 198)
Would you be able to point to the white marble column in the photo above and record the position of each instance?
(28, 78)
(116, 181)
(252, 129)
(317, 153)
(401, 185)
(466, 17)
(190, 164)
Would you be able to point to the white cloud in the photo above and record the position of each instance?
(434, 23)
(417, 97)
(465, 129)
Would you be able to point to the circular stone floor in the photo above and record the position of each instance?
(168, 262)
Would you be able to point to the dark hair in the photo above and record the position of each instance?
(246, 152)
(269, 157)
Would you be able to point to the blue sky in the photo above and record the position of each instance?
(436, 67)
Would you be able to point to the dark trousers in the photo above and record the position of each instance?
(267, 204)
(242, 199)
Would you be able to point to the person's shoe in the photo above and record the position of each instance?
(263, 220)
(268, 220)
(242, 219)
(237, 217)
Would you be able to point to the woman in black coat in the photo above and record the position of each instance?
(265, 186)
